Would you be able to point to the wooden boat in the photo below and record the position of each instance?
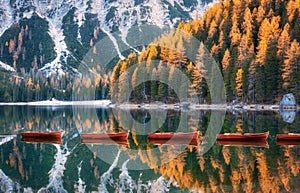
(106, 136)
(288, 137)
(246, 143)
(243, 136)
(173, 136)
(57, 134)
(173, 141)
(50, 140)
(104, 141)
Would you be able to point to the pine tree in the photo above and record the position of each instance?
(223, 44)
(163, 77)
(202, 71)
(154, 85)
(260, 84)
(291, 71)
(125, 87)
(134, 83)
(284, 43)
(171, 79)
(271, 64)
(184, 87)
(251, 81)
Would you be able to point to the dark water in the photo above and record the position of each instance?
(139, 166)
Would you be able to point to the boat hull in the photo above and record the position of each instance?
(245, 136)
(173, 136)
(41, 134)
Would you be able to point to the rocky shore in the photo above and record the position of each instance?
(191, 106)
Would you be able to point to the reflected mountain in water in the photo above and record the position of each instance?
(73, 166)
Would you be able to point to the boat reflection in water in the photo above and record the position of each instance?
(41, 140)
(72, 166)
(245, 143)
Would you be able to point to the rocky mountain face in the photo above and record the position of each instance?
(52, 36)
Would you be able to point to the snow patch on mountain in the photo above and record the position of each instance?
(6, 16)
(6, 138)
(6, 184)
(57, 171)
(160, 16)
(80, 185)
(102, 8)
(6, 67)
(107, 177)
(81, 8)
(126, 183)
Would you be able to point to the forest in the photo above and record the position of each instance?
(255, 43)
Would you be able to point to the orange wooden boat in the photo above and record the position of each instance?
(288, 137)
(52, 140)
(104, 141)
(247, 143)
(174, 136)
(57, 134)
(243, 136)
(105, 136)
(173, 141)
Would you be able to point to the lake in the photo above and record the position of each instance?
(140, 166)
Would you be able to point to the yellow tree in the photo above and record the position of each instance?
(284, 42)
(151, 56)
(226, 60)
(29, 83)
(260, 15)
(235, 33)
(239, 83)
(263, 36)
(213, 29)
(11, 46)
(248, 22)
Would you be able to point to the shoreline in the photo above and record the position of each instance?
(157, 105)
(100, 103)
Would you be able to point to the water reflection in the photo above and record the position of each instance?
(73, 166)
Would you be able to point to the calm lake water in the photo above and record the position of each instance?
(139, 166)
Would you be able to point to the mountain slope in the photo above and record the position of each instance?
(88, 16)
